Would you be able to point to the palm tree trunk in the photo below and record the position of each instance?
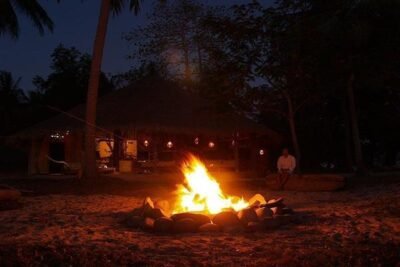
(354, 125)
(90, 166)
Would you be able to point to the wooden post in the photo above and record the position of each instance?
(155, 151)
(117, 148)
(33, 157)
(43, 161)
(69, 147)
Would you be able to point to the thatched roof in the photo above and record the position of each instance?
(145, 106)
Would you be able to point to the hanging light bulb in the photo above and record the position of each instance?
(211, 144)
(170, 144)
(146, 143)
(196, 141)
(262, 152)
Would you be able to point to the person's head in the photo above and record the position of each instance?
(285, 152)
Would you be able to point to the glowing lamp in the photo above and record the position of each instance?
(57, 136)
(196, 141)
(211, 144)
(170, 144)
(146, 143)
(261, 152)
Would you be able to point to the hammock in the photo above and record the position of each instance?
(59, 162)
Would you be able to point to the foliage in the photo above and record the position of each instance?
(144, 71)
(9, 23)
(292, 61)
(66, 86)
(12, 100)
(173, 38)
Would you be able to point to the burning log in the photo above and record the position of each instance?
(273, 203)
(257, 200)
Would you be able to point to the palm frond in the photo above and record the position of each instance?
(134, 5)
(117, 6)
(33, 10)
(8, 20)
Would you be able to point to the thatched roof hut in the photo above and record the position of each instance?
(146, 107)
(145, 113)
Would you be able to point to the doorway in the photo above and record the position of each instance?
(57, 153)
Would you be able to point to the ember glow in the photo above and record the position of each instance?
(201, 192)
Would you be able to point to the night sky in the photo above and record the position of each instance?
(75, 24)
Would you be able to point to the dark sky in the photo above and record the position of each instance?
(75, 24)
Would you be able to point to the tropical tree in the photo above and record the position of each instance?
(9, 23)
(66, 85)
(174, 37)
(106, 7)
(358, 39)
(11, 97)
(259, 47)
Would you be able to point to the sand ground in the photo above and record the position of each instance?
(63, 223)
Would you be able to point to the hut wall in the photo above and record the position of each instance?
(33, 156)
(73, 147)
(43, 161)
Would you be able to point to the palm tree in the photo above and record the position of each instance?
(107, 6)
(31, 8)
(10, 91)
(11, 96)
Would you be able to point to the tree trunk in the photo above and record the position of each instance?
(354, 125)
(347, 132)
(90, 166)
(293, 132)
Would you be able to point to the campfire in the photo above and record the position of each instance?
(201, 205)
(202, 193)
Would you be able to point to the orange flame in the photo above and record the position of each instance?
(201, 192)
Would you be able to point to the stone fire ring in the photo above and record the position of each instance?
(152, 217)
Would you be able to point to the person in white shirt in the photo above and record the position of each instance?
(286, 165)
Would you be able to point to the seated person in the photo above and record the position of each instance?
(286, 165)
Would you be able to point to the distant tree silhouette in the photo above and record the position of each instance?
(174, 36)
(11, 99)
(66, 85)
